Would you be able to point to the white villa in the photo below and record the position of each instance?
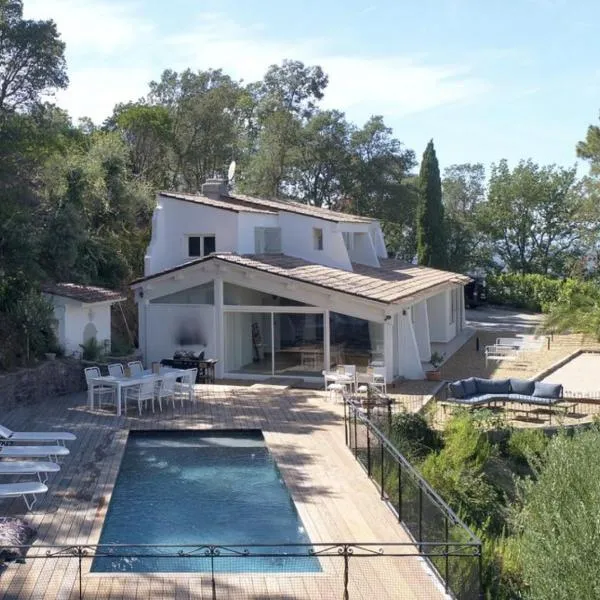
(273, 288)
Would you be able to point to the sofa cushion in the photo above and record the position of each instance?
(547, 390)
(523, 387)
(492, 386)
(456, 390)
(469, 386)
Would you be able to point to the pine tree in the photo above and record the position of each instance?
(431, 239)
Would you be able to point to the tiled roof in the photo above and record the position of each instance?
(298, 208)
(242, 203)
(83, 293)
(222, 204)
(393, 282)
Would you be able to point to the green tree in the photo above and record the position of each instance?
(31, 58)
(589, 149)
(431, 238)
(463, 190)
(535, 217)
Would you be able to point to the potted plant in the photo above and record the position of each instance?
(435, 361)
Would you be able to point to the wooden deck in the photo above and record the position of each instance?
(336, 501)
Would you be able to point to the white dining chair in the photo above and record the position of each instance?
(141, 394)
(116, 370)
(350, 371)
(100, 391)
(187, 385)
(379, 379)
(166, 390)
(135, 368)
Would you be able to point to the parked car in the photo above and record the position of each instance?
(475, 293)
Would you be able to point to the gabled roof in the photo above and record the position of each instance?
(242, 203)
(393, 282)
(222, 204)
(83, 293)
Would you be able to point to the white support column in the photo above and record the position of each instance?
(219, 327)
(409, 362)
(421, 327)
(388, 348)
(326, 341)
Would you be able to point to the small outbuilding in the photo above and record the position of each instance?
(81, 312)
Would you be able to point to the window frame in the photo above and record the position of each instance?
(201, 237)
(318, 241)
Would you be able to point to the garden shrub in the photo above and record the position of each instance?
(413, 436)
(530, 291)
(526, 445)
(560, 524)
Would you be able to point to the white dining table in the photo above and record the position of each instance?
(121, 382)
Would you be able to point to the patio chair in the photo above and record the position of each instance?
(116, 370)
(100, 391)
(350, 371)
(24, 489)
(379, 379)
(167, 390)
(141, 394)
(56, 437)
(50, 452)
(40, 468)
(135, 367)
(187, 385)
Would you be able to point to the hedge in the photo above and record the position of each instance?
(531, 292)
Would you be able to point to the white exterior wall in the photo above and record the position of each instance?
(378, 240)
(421, 326)
(174, 220)
(246, 224)
(408, 362)
(297, 240)
(163, 323)
(441, 327)
(73, 316)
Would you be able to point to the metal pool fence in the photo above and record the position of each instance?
(450, 547)
(343, 571)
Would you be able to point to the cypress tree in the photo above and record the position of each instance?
(431, 238)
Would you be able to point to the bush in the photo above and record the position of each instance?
(527, 445)
(413, 436)
(531, 291)
(559, 520)
(457, 473)
(91, 350)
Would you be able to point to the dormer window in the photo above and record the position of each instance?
(317, 238)
(267, 240)
(200, 245)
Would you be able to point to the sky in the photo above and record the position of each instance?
(486, 79)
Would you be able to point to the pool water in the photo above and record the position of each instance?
(198, 487)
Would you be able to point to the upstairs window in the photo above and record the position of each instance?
(267, 240)
(201, 245)
(317, 238)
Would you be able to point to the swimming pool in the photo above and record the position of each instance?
(201, 487)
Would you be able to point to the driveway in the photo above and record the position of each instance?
(489, 318)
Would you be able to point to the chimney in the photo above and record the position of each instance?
(215, 188)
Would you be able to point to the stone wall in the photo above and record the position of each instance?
(48, 379)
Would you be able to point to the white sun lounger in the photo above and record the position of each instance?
(24, 489)
(51, 452)
(57, 437)
(41, 468)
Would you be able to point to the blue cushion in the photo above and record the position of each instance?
(469, 386)
(524, 387)
(547, 390)
(456, 390)
(492, 386)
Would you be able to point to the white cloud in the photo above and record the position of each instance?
(113, 54)
(92, 26)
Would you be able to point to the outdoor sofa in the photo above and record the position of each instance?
(476, 392)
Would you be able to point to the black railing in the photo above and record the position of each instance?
(341, 571)
(425, 516)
